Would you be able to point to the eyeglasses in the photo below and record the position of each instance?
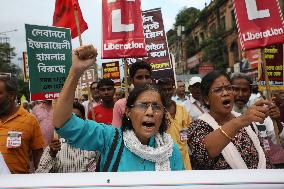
(144, 107)
(220, 90)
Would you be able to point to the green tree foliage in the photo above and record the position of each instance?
(214, 49)
(187, 17)
(6, 54)
(171, 36)
(191, 47)
(23, 89)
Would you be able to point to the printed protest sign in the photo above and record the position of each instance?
(274, 66)
(49, 59)
(156, 44)
(111, 71)
(87, 78)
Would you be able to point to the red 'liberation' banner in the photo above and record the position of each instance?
(122, 29)
(260, 23)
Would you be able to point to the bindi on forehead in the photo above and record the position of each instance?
(221, 81)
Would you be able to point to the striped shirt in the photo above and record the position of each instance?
(67, 160)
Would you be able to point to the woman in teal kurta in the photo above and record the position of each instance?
(142, 143)
(90, 135)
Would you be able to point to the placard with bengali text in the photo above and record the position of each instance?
(49, 52)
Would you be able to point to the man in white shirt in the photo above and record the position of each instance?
(193, 103)
(180, 97)
(242, 92)
(195, 107)
(88, 105)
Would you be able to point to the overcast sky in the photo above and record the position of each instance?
(15, 13)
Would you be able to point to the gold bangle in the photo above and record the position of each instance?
(230, 138)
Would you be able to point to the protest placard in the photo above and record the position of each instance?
(88, 77)
(274, 66)
(156, 44)
(49, 59)
(111, 71)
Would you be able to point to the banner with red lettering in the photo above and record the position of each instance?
(156, 44)
(122, 29)
(111, 70)
(260, 23)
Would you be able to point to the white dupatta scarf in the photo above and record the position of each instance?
(230, 152)
(159, 155)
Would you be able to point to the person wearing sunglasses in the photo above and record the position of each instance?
(141, 144)
(221, 138)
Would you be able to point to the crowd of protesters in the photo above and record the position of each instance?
(222, 124)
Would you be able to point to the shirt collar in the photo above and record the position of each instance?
(20, 112)
(240, 110)
(192, 100)
(181, 99)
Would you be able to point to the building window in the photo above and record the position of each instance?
(235, 50)
(212, 28)
(223, 23)
(202, 36)
(233, 19)
(196, 40)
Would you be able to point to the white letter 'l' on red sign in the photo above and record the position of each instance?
(117, 25)
(252, 11)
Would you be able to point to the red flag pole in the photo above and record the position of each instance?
(77, 23)
(126, 76)
(268, 90)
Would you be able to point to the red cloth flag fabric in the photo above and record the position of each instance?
(64, 16)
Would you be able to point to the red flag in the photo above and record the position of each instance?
(64, 16)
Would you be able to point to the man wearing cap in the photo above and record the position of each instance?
(194, 106)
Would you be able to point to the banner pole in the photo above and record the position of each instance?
(126, 76)
(55, 135)
(78, 26)
(268, 90)
(90, 104)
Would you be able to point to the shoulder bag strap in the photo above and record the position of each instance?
(118, 157)
(111, 151)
